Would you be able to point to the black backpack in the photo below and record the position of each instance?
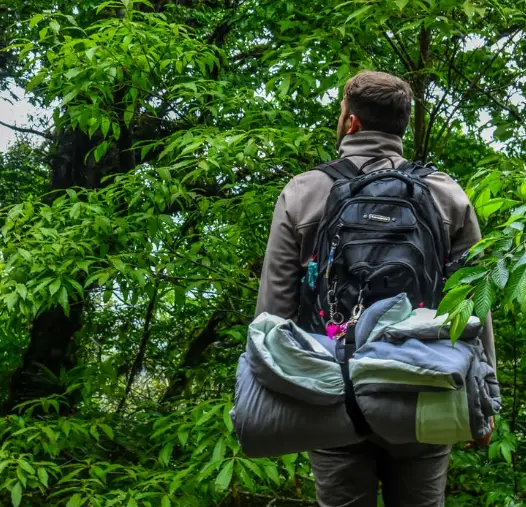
(381, 234)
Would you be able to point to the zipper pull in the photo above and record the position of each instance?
(334, 245)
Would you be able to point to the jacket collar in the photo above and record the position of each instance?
(371, 143)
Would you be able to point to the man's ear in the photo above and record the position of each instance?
(355, 126)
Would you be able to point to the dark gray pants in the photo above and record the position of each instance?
(412, 475)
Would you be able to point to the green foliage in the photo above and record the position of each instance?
(500, 272)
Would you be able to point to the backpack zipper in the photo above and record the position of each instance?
(335, 242)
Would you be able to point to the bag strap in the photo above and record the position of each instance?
(339, 169)
(354, 411)
(344, 350)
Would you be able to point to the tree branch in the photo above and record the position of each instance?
(408, 63)
(137, 364)
(25, 130)
(438, 106)
(193, 355)
(421, 81)
(475, 87)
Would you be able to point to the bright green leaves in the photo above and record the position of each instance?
(225, 475)
(112, 69)
(43, 476)
(463, 276)
(453, 299)
(458, 309)
(499, 276)
(75, 501)
(16, 494)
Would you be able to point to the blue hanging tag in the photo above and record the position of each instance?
(312, 274)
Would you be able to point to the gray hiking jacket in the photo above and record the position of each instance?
(301, 205)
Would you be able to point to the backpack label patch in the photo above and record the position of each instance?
(379, 218)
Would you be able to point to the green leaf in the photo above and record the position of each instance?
(284, 86)
(43, 476)
(453, 299)
(289, 461)
(3, 465)
(107, 430)
(244, 476)
(105, 125)
(116, 128)
(459, 321)
(183, 434)
(35, 20)
(500, 274)
(401, 3)
(16, 494)
(132, 503)
(517, 285)
(464, 276)
(11, 300)
(490, 207)
(63, 299)
(165, 502)
(90, 53)
(118, 264)
(483, 297)
(469, 9)
(128, 114)
(75, 501)
(254, 468)
(225, 476)
(507, 448)
(69, 96)
(146, 149)
(71, 73)
(219, 450)
(35, 81)
(166, 454)
(93, 431)
(50, 434)
(75, 210)
(27, 467)
(359, 13)
(22, 290)
(54, 25)
(55, 286)
(227, 419)
(101, 150)
(481, 246)
(21, 476)
(503, 132)
(272, 472)
(165, 174)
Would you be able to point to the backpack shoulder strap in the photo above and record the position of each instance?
(339, 169)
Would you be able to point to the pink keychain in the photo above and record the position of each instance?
(332, 330)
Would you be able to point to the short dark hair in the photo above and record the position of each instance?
(380, 100)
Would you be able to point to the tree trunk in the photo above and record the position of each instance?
(51, 351)
(51, 347)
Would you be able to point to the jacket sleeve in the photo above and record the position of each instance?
(280, 278)
(463, 239)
